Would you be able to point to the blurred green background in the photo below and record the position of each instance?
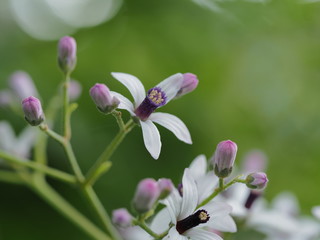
(259, 72)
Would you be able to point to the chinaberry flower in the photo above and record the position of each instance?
(121, 217)
(144, 106)
(257, 180)
(33, 111)
(103, 98)
(189, 221)
(67, 54)
(224, 157)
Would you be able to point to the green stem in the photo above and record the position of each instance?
(146, 228)
(66, 110)
(56, 201)
(105, 156)
(62, 176)
(221, 188)
(10, 177)
(118, 117)
(101, 212)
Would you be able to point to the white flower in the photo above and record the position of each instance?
(316, 212)
(145, 104)
(18, 146)
(189, 220)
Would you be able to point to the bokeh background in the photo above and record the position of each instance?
(259, 69)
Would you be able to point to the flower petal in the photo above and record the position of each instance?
(171, 85)
(206, 185)
(174, 235)
(7, 138)
(223, 224)
(174, 124)
(201, 234)
(124, 102)
(190, 195)
(151, 138)
(217, 209)
(161, 221)
(173, 203)
(133, 84)
(25, 142)
(198, 167)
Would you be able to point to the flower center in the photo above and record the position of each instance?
(200, 216)
(155, 98)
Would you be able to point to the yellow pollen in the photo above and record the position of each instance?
(203, 216)
(156, 97)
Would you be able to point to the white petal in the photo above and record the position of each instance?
(134, 233)
(190, 195)
(173, 203)
(316, 212)
(206, 185)
(287, 203)
(151, 138)
(174, 124)
(174, 235)
(7, 136)
(124, 102)
(133, 84)
(223, 224)
(217, 209)
(171, 85)
(198, 167)
(201, 234)
(161, 221)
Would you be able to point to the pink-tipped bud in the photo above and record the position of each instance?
(255, 161)
(257, 180)
(22, 85)
(74, 90)
(121, 217)
(67, 54)
(190, 82)
(103, 99)
(146, 195)
(224, 157)
(165, 186)
(33, 111)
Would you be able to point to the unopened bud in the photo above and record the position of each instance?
(257, 180)
(67, 54)
(146, 195)
(190, 82)
(165, 187)
(121, 217)
(33, 111)
(224, 157)
(103, 99)
(22, 85)
(74, 90)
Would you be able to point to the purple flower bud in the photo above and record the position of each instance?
(146, 195)
(255, 161)
(74, 90)
(121, 217)
(224, 157)
(22, 85)
(33, 111)
(165, 186)
(103, 99)
(257, 180)
(190, 82)
(67, 50)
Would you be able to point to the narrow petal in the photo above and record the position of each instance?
(151, 138)
(174, 235)
(206, 185)
(201, 234)
(7, 134)
(223, 224)
(190, 195)
(198, 167)
(25, 142)
(161, 221)
(171, 85)
(217, 209)
(174, 124)
(133, 84)
(173, 203)
(124, 102)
